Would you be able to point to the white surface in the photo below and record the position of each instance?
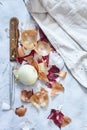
(74, 99)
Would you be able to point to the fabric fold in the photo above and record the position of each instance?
(65, 27)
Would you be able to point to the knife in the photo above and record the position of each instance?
(14, 35)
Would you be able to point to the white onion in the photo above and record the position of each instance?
(26, 74)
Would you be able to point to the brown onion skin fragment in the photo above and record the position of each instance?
(20, 111)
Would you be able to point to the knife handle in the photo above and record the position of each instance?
(14, 35)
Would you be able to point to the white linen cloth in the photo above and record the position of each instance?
(65, 24)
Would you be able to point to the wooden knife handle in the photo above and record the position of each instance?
(14, 35)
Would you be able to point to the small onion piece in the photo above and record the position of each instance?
(20, 51)
(26, 95)
(42, 48)
(42, 67)
(20, 111)
(66, 121)
(62, 74)
(40, 98)
(29, 39)
(56, 88)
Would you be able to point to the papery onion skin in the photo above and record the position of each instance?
(20, 111)
(42, 48)
(27, 74)
(20, 51)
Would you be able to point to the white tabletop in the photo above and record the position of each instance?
(74, 99)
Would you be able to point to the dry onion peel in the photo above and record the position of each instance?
(26, 95)
(26, 57)
(29, 59)
(35, 64)
(42, 71)
(42, 48)
(20, 111)
(62, 74)
(20, 51)
(56, 88)
(40, 98)
(66, 121)
(42, 67)
(29, 39)
(43, 76)
(59, 118)
(53, 73)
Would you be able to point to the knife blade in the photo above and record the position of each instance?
(14, 35)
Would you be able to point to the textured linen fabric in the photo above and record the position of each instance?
(65, 24)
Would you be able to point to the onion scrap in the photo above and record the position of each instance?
(42, 67)
(62, 74)
(35, 64)
(43, 76)
(66, 121)
(46, 59)
(20, 111)
(59, 118)
(42, 48)
(42, 71)
(40, 98)
(52, 73)
(20, 51)
(56, 88)
(26, 95)
(29, 39)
